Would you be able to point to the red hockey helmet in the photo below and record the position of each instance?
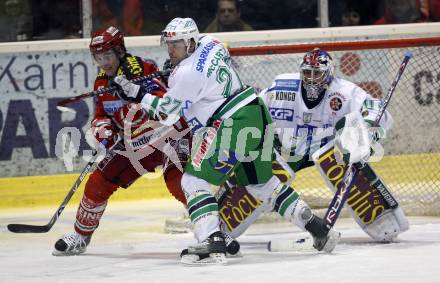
(106, 39)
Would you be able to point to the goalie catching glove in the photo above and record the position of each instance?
(352, 139)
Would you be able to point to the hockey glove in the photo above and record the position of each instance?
(376, 133)
(102, 129)
(352, 139)
(127, 90)
(154, 87)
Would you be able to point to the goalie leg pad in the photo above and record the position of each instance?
(369, 198)
(239, 206)
(388, 225)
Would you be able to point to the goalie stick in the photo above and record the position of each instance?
(61, 105)
(26, 228)
(350, 174)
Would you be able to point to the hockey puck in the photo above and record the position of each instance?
(233, 247)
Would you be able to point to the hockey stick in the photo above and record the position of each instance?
(350, 174)
(157, 138)
(26, 228)
(61, 105)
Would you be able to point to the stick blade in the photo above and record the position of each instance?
(24, 228)
(66, 109)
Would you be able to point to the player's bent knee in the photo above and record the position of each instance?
(98, 188)
(173, 180)
(192, 184)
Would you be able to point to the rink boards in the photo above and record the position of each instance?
(396, 171)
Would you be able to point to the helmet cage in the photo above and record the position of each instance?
(316, 72)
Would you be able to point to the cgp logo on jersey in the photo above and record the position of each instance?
(281, 114)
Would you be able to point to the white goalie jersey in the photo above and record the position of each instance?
(301, 130)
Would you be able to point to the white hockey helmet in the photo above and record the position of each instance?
(181, 28)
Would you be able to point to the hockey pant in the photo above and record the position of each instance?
(116, 171)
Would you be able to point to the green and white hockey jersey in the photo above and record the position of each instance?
(200, 84)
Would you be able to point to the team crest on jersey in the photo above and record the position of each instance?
(307, 118)
(335, 103)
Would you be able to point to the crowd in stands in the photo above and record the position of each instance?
(43, 19)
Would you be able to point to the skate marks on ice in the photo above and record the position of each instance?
(127, 247)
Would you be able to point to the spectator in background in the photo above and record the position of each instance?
(351, 17)
(128, 14)
(132, 17)
(56, 19)
(402, 11)
(15, 20)
(103, 15)
(228, 18)
(434, 10)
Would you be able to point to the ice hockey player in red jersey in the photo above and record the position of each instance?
(123, 127)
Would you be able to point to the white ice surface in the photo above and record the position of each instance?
(129, 246)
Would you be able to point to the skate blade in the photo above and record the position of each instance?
(213, 259)
(71, 253)
(299, 245)
(237, 255)
(333, 239)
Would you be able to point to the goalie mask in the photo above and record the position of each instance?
(316, 72)
(181, 29)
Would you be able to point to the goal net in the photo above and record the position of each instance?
(411, 165)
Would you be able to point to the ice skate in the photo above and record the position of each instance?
(71, 244)
(209, 252)
(232, 246)
(324, 239)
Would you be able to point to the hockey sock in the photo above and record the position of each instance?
(202, 206)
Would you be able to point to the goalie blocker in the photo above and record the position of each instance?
(370, 202)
